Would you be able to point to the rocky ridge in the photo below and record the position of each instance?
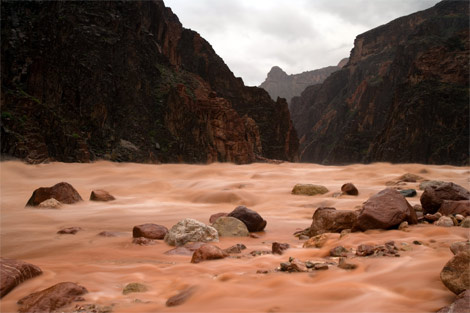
(402, 97)
(124, 81)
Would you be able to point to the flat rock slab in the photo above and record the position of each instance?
(14, 272)
(190, 230)
(150, 231)
(52, 298)
(62, 192)
(208, 252)
(253, 221)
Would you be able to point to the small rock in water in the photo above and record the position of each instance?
(444, 221)
(409, 193)
(50, 204)
(150, 231)
(432, 217)
(294, 265)
(309, 189)
(349, 189)
(278, 248)
(181, 297)
(330, 220)
(260, 252)
(134, 287)
(344, 232)
(142, 241)
(364, 250)
(418, 208)
(460, 305)
(303, 237)
(320, 266)
(253, 221)
(101, 195)
(338, 251)
(459, 217)
(92, 308)
(410, 178)
(317, 241)
(109, 234)
(236, 248)
(63, 192)
(208, 252)
(429, 183)
(187, 249)
(450, 207)
(69, 230)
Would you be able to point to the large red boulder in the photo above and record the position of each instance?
(330, 220)
(14, 272)
(434, 195)
(101, 195)
(52, 298)
(385, 210)
(62, 192)
(253, 221)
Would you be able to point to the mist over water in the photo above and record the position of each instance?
(166, 194)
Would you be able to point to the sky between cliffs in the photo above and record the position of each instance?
(298, 35)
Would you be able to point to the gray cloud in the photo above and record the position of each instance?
(297, 35)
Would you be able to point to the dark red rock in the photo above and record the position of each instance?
(278, 248)
(14, 272)
(253, 221)
(450, 207)
(215, 216)
(385, 210)
(460, 305)
(349, 189)
(434, 195)
(52, 298)
(101, 195)
(181, 297)
(330, 220)
(69, 230)
(151, 231)
(208, 252)
(364, 250)
(62, 192)
(456, 273)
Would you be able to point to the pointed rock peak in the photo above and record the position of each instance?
(276, 72)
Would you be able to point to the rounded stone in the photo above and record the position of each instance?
(190, 230)
(228, 226)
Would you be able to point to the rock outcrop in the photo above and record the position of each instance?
(124, 81)
(279, 84)
(402, 97)
(190, 230)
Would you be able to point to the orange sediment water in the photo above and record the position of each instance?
(165, 194)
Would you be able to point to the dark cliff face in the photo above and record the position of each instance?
(279, 84)
(403, 96)
(125, 81)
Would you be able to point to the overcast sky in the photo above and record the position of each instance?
(298, 35)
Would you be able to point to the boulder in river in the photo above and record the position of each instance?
(434, 195)
(253, 221)
(451, 207)
(309, 189)
(62, 192)
(181, 297)
(14, 272)
(190, 230)
(228, 226)
(101, 195)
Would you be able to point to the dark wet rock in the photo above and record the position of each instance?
(14, 272)
(69, 230)
(460, 246)
(444, 221)
(317, 241)
(52, 298)
(142, 241)
(294, 265)
(349, 189)
(450, 207)
(309, 190)
(190, 230)
(410, 178)
(403, 226)
(110, 234)
(466, 222)
(62, 192)
(385, 210)
(181, 297)
(208, 252)
(101, 195)
(238, 248)
(460, 305)
(278, 248)
(409, 193)
(365, 250)
(346, 266)
(215, 216)
(320, 266)
(187, 249)
(150, 231)
(456, 273)
(330, 220)
(434, 195)
(134, 287)
(92, 308)
(339, 251)
(228, 226)
(253, 221)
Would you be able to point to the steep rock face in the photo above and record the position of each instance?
(125, 81)
(279, 84)
(403, 96)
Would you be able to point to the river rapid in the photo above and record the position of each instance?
(166, 194)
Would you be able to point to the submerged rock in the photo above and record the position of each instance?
(134, 287)
(253, 221)
(317, 241)
(409, 193)
(215, 216)
(187, 249)
(190, 230)
(338, 251)
(52, 298)
(235, 248)
(309, 189)
(434, 195)
(410, 178)
(63, 192)
(14, 272)
(278, 248)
